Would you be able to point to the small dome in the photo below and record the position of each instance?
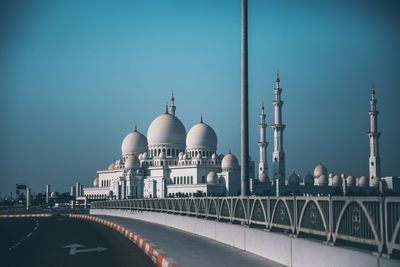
(96, 182)
(132, 162)
(144, 155)
(350, 181)
(229, 162)
(201, 135)
(309, 179)
(214, 156)
(162, 155)
(134, 144)
(263, 177)
(180, 156)
(140, 156)
(363, 181)
(185, 157)
(375, 182)
(111, 166)
(198, 156)
(337, 180)
(320, 170)
(212, 178)
(294, 179)
(323, 180)
(166, 129)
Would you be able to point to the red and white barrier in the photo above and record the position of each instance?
(160, 259)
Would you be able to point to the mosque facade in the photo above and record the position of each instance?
(168, 162)
(171, 162)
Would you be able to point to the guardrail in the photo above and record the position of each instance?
(373, 221)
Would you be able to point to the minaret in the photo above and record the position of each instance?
(262, 145)
(244, 110)
(278, 156)
(172, 108)
(373, 134)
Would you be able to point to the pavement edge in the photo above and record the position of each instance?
(159, 258)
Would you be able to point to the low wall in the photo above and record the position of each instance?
(290, 251)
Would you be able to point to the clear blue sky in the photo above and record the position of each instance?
(76, 75)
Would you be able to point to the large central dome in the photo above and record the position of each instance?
(166, 129)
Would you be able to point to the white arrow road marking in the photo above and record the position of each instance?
(74, 249)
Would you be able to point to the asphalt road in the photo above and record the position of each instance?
(42, 242)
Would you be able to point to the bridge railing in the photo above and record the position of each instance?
(372, 220)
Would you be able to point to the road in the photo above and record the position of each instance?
(61, 241)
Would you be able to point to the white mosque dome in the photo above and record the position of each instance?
(294, 179)
(212, 178)
(144, 155)
(134, 143)
(166, 129)
(350, 181)
(375, 182)
(229, 162)
(111, 166)
(320, 170)
(309, 179)
(214, 157)
(132, 162)
(96, 182)
(180, 156)
(263, 177)
(337, 180)
(323, 180)
(363, 181)
(201, 135)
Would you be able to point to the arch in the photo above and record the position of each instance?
(313, 211)
(285, 216)
(239, 210)
(359, 217)
(225, 211)
(202, 207)
(193, 206)
(212, 208)
(258, 213)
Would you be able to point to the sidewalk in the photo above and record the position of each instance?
(189, 249)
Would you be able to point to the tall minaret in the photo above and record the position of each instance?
(373, 134)
(278, 156)
(172, 108)
(262, 145)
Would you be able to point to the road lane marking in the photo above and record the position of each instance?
(74, 249)
(28, 235)
(14, 246)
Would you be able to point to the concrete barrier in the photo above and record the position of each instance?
(284, 249)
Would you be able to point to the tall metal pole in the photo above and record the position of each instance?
(244, 116)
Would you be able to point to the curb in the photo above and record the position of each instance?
(24, 215)
(160, 259)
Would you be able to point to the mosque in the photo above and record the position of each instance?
(172, 163)
(168, 162)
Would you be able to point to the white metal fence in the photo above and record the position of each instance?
(373, 221)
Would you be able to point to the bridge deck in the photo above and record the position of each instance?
(189, 249)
